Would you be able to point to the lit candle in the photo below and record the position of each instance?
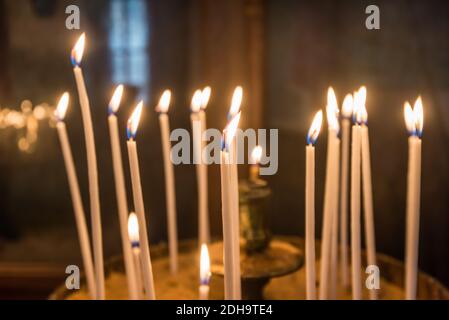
(83, 234)
(345, 138)
(329, 192)
(312, 137)
(204, 273)
(133, 123)
(256, 155)
(370, 238)
(203, 215)
(233, 111)
(414, 120)
(133, 234)
(231, 267)
(170, 195)
(334, 237)
(120, 191)
(94, 196)
(355, 199)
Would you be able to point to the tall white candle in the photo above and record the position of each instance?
(133, 233)
(203, 214)
(170, 194)
(334, 237)
(83, 234)
(133, 123)
(312, 137)
(122, 203)
(94, 196)
(370, 238)
(332, 112)
(414, 121)
(355, 204)
(204, 273)
(345, 140)
(231, 270)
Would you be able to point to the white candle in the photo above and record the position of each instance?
(133, 233)
(204, 273)
(83, 234)
(231, 267)
(414, 121)
(122, 203)
(203, 214)
(170, 194)
(326, 241)
(138, 202)
(334, 245)
(355, 204)
(370, 238)
(345, 140)
(310, 205)
(94, 196)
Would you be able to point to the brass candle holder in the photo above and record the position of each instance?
(262, 257)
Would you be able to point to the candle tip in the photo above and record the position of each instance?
(236, 102)
(133, 121)
(61, 109)
(77, 51)
(133, 229)
(256, 155)
(205, 96)
(114, 104)
(164, 102)
(195, 105)
(230, 131)
(314, 131)
(205, 273)
(332, 110)
(414, 117)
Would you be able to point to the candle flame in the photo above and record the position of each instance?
(195, 105)
(133, 229)
(114, 104)
(205, 96)
(63, 104)
(77, 51)
(230, 131)
(164, 102)
(360, 115)
(256, 154)
(348, 105)
(332, 110)
(315, 128)
(414, 118)
(133, 122)
(236, 102)
(204, 265)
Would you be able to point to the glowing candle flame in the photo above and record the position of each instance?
(204, 265)
(63, 104)
(315, 128)
(332, 110)
(133, 122)
(114, 104)
(133, 229)
(359, 110)
(164, 102)
(195, 105)
(230, 131)
(364, 115)
(414, 118)
(77, 51)
(256, 154)
(236, 102)
(348, 105)
(205, 96)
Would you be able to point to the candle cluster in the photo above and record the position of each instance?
(356, 142)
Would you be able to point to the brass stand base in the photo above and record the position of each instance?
(257, 268)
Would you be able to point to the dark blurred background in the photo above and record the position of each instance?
(284, 53)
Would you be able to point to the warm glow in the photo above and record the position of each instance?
(133, 122)
(77, 51)
(419, 116)
(256, 154)
(364, 115)
(164, 101)
(195, 105)
(204, 265)
(61, 109)
(332, 110)
(133, 228)
(205, 96)
(359, 110)
(414, 118)
(315, 128)
(347, 107)
(236, 101)
(230, 131)
(114, 104)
